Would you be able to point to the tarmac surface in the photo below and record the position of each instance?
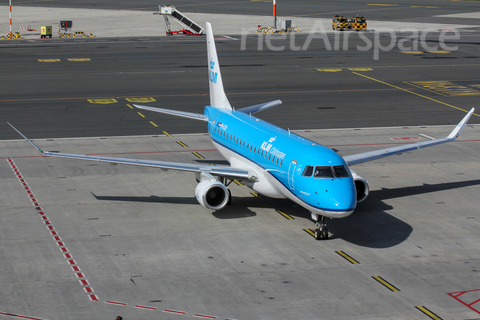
(85, 240)
(145, 248)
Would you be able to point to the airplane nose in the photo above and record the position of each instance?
(340, 199)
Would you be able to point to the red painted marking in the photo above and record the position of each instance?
(67, 255)
(53, 233)
(28, 191)
(64, 249)
(41, 213)
(406, 138)
(84, 282)
(19, 316)
(44, 218)
(88, 289)
(47, 222)
(467, 295)
(204, 316)
(76, 269)
(60, 243)
(145, 307)
(37, 205)
(72, 262)
(116, 303)
(23, 182)
(33, 199)
(93, 297)
(50, 228)
(79, 275)
(174, 311)
(57, 238)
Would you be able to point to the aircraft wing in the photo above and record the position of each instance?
(377, 154)
(228, 172)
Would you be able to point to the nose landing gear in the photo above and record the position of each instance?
(321, 233)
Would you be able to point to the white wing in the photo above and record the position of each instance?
(372, 155)
(228, 172)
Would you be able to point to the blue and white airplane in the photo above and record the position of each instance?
(270, 160)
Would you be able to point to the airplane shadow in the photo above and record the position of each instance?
(371, 226)
(152, 198)
(219, 162)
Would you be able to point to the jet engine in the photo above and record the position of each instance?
(212, 194)
(362, 187)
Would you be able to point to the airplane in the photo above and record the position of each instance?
(270, 160)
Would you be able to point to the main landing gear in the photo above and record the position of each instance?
(321, 233)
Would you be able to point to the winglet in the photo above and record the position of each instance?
(33, 144)
(218, 99)
(456, 132)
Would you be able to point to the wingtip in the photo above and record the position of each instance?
(458, 129)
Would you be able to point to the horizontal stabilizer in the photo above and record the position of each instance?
(260, 107)
(191, 115)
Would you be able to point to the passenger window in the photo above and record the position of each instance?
(261, 155)
(236, 141)
(269, 156)
(277, 160)
(323, 172)
(281, 163)
(308, 171)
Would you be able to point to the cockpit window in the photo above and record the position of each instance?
(323, 172)
(341, 172)
(308, 171)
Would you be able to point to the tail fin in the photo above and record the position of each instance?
(218, 99)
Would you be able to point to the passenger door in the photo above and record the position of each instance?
(291, 174)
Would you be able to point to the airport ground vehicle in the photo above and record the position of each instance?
(358, 23)
(46, 32)
(340, 23)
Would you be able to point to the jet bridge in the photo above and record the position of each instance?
(190, 26)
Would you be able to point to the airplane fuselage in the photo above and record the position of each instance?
(287, 165)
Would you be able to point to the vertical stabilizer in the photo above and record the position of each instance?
(218, 99)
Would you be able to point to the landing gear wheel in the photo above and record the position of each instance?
(324, 234)
(321, 233)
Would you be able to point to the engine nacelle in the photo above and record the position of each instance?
(212, 194)
(362, 187)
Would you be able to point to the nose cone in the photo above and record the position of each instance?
(339, 198)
